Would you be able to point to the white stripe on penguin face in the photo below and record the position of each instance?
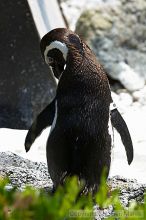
(56, 45)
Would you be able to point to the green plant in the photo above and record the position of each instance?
(33, 204)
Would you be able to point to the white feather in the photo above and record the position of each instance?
(111, 133)
(110, 130)
(56, 45)
(55, 118)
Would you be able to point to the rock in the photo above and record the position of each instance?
(72, 9)
(26, 85)
(140, 96)
(129, 189)
(22, 172)
(117, 34)
(127, 76)
(102, 213)
(125, 101)
(122, 99)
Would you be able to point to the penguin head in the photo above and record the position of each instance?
(58, 48)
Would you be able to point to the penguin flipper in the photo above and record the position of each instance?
(43, 120)
(120, 125)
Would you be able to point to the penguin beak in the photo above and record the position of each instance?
(57, 70)
(57, 67)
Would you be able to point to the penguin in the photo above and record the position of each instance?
(79, 142)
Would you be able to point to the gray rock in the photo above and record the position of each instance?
(140, 96)
(22, 172)
(102, 213)
(130, 79)
(122, 99)
(26, 85)
(72, 9)
(117, 35)
(130, 190)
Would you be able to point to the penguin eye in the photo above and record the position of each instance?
(50, 60)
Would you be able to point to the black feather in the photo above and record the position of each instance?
(120, 125)
(43, 120)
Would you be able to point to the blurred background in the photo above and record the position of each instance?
(116, 32)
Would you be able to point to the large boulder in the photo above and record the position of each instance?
(26, 85)
(117, 33)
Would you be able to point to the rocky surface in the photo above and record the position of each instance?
(116, 32)
(72, 9)
(22, 172)
(130, 191)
